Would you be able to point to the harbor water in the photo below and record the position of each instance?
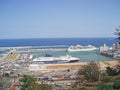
(56, 47)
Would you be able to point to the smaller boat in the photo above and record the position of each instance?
(81, 48)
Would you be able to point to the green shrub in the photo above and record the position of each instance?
(90, 71)
(116, 84)
(111, 71)
(104, 78)
(105, 87)
(83, 88)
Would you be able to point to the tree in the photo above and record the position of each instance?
(90, 71)
(28, 83)
(105, 87)
(39, 87)
(116, 84)
(1, 83)
(111, 71)
(118, 33)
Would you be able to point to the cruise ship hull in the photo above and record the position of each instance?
(55, 60)
(81, 48)
(73, 50)
(73, 61)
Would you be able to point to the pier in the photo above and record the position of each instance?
(10, 56)
(113, 51)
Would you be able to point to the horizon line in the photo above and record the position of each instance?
(55, 37)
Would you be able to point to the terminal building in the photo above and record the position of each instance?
(113, 51)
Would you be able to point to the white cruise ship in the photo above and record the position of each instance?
(81, 48)
(55, 60)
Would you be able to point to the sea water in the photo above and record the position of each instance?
(56, 41)
(46, 43)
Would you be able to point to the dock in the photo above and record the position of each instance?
(11, 56)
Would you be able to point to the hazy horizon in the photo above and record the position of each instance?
(58, 18)
(61, 38)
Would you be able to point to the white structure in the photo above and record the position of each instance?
(117, 48)
(36, 67)
(31, 57)
(112, 52)
(114, 47)
(81, 48)
(104, 48)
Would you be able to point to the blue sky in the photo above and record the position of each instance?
(58, 18)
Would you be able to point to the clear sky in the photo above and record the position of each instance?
(58, 18)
